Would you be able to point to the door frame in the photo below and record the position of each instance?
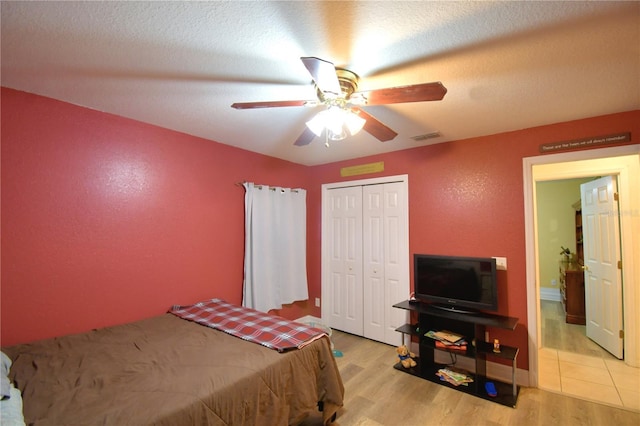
(324, 261)
(622, 161)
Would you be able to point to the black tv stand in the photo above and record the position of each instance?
(450, 308)
(472, 326)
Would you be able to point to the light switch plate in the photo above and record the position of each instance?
(501, 263)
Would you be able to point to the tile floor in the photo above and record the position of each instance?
(607, 381)
(572, 364)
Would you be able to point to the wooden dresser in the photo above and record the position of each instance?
(572, 277)
(572, 292)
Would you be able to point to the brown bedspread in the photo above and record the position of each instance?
(169, 371)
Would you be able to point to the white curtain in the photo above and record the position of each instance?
(275, 255)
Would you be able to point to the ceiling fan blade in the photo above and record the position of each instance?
(269, 104)
(323, 74)
(414, 93)
(374, 127)
(305, 138)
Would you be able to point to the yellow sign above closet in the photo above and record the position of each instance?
(362, 169)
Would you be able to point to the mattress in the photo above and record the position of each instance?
(166, 370)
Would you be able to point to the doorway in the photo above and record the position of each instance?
(623, 162)
(572, 319)
(571, 358)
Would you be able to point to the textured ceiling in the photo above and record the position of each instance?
(180, 65)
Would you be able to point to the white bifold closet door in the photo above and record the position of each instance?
(367, 255)
(342, 290)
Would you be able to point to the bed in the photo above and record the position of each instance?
(172, 370)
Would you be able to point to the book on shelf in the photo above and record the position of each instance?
(451, 347)
(446, 337)
(454, 377)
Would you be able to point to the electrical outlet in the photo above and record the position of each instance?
(501, 263)
(554, 282)
(317, 302)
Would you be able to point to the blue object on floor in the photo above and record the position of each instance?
(490, 388)
(337, 353)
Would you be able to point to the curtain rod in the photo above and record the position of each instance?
(270, 188)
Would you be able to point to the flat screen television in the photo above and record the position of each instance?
(462, 284)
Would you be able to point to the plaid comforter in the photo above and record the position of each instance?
(271, 331)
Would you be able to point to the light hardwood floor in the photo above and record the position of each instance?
(558, 334)
(377, 394)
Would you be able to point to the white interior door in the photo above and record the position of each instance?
(602, 276)
(342, 306)
(373, 245)
(396, 258)
(385, 257)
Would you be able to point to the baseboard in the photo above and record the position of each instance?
(552, 294)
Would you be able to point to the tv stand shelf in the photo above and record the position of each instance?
(472, 326)
(490, 320)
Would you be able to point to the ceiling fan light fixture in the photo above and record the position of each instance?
(317, 123)
(338, 123)
(334, 123)
(354, 122)
(336, 136)
(335, 120)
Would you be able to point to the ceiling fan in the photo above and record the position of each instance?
(336, 89)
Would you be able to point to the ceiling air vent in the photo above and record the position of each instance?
(426, 136)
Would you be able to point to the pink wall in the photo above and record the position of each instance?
(107, 220)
